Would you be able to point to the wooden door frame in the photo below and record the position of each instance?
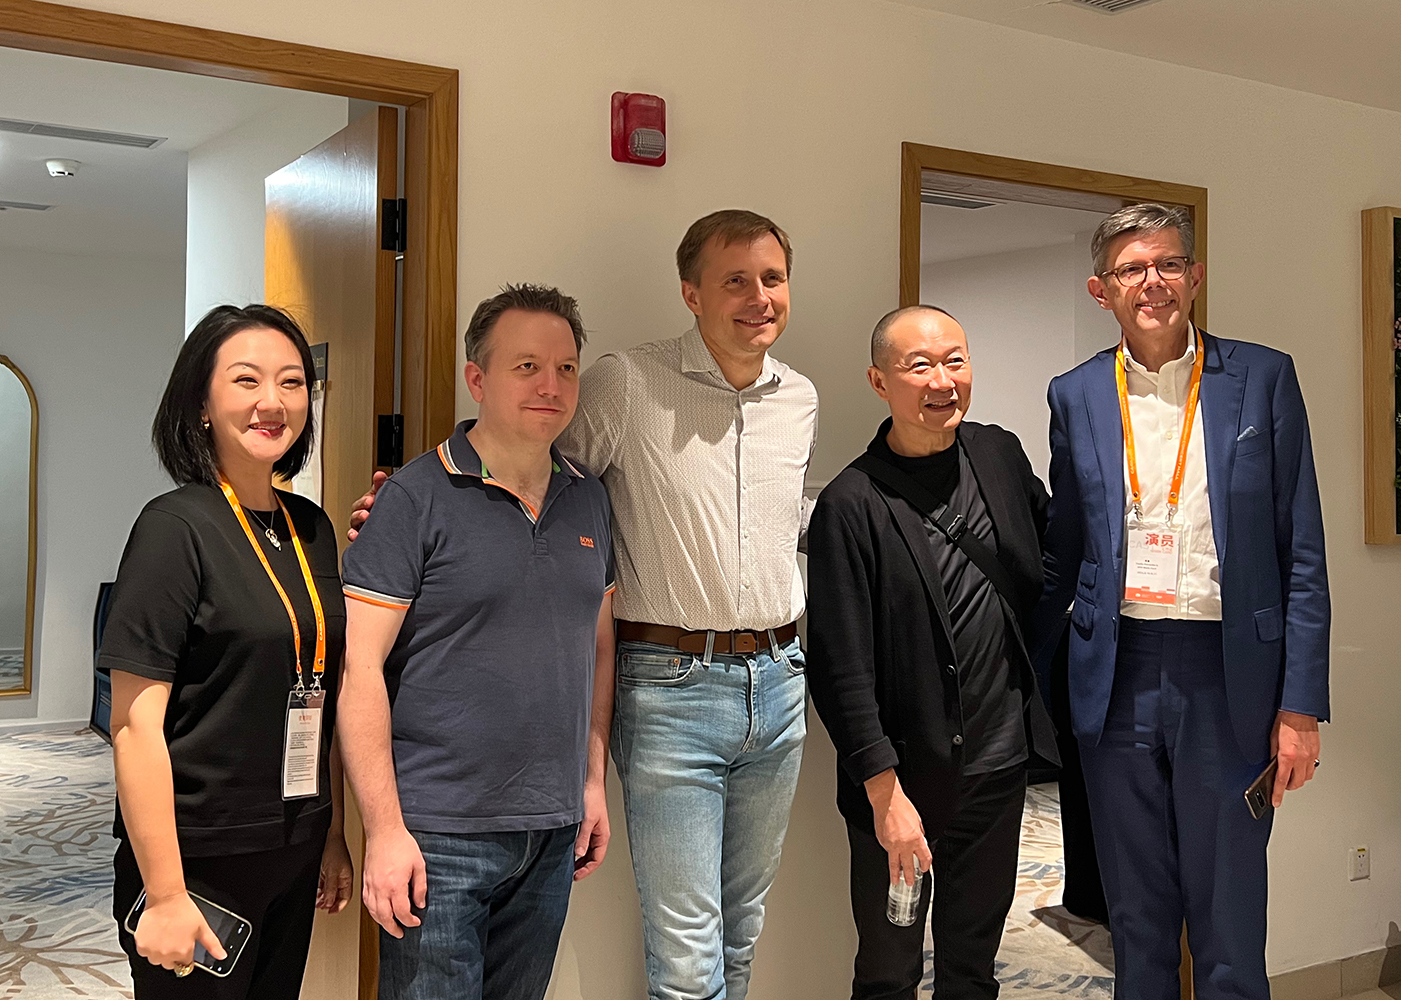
(429, 358)
(428, 396)
(916, 158)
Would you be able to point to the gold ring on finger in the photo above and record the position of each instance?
(183, 969)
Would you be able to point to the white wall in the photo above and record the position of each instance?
(96, 337)
(1095, 327)
(1018, 310)
(226, 202)
(797, 108)
(1026, 314)
(15, 414)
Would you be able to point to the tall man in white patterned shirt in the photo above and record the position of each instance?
(703, 442)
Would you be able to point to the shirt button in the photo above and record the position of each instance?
(958, 741)
(950, 668)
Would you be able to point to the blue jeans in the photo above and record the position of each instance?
(709, 759)
(496, 905)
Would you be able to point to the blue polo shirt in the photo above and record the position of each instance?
(491, 677)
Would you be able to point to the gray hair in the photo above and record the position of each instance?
(527, 297)
(880, 336)
(1148, 217)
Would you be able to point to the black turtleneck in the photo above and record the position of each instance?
(994, 730)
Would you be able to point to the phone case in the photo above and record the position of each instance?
(233, 943)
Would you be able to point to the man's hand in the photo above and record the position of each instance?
(898, 828)
(168, 930)
(1295, 742)
(592, 843)
(360, 513)
(394, 868)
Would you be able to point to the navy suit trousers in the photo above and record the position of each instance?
(1174, 836)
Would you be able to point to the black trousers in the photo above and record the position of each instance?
(975, 878)
(274, 890)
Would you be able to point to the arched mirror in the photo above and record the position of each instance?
(19, 466)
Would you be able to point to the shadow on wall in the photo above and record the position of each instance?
(1391, 965)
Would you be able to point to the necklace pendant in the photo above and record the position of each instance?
(272, 537)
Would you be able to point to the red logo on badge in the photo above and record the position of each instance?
(586, 541)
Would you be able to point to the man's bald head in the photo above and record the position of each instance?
(880, 337)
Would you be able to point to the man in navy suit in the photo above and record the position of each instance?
(1185, 525)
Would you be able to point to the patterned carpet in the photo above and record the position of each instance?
(57, 936)
(11, 671)
(58, 940)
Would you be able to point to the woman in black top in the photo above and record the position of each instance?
(226, 630)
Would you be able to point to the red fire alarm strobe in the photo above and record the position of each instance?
(639, 129)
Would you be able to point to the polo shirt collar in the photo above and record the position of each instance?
(461, 459)
(697, 359)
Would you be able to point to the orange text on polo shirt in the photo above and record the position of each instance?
(586, 541)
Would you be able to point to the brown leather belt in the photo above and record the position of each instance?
(726, 643)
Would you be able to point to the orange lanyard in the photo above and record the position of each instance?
(319, 665)
(1175, 487)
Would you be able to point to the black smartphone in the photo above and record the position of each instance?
(1260, 795)
(232, 931)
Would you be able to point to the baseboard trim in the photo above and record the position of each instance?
(30, 726)
(1340, 978)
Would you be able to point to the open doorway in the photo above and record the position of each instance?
(201, 162)
(1004, 245)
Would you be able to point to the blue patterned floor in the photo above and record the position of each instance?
(58, 939)
(57, 936)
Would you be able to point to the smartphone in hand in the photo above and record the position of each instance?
(232, 931)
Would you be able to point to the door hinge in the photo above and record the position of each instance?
(393, 217)
(389, 446)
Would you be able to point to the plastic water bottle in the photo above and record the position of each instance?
(902, 903)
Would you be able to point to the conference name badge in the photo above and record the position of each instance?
(301, 746)
(1155, 562)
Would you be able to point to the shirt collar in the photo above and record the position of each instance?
(461, 459)
(1190, 356)
(697, 359)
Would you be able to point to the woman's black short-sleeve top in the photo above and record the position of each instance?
(194, 607)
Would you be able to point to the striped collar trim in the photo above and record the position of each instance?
(461, 459)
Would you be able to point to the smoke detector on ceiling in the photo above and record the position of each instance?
(63, 168)
(1112, 6)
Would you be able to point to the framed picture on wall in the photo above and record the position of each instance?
(1381, 373)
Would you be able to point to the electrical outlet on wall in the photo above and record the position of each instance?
(1361, 864)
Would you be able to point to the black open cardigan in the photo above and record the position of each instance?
(881, 663)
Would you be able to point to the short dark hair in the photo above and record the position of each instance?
(531, 298)
(880, 336)
(1146, 217)
(730, 225)
(183, 444)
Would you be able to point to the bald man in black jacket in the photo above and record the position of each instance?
(924, 563)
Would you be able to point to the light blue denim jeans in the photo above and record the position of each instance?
(709, 759)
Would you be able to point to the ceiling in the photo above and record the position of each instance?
(955, 233)
(1342, 48)
(123, 201)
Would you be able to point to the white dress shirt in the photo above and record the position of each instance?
(706, 483)
(1157, 403)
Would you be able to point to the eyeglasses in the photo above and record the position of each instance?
(1169, 269)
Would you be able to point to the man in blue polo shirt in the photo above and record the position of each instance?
(474, 728)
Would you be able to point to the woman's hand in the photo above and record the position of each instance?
(168, 931)
(337, 881)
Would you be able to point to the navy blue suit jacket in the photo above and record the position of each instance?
(1265, 517)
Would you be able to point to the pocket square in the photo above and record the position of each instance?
(1248, 433)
